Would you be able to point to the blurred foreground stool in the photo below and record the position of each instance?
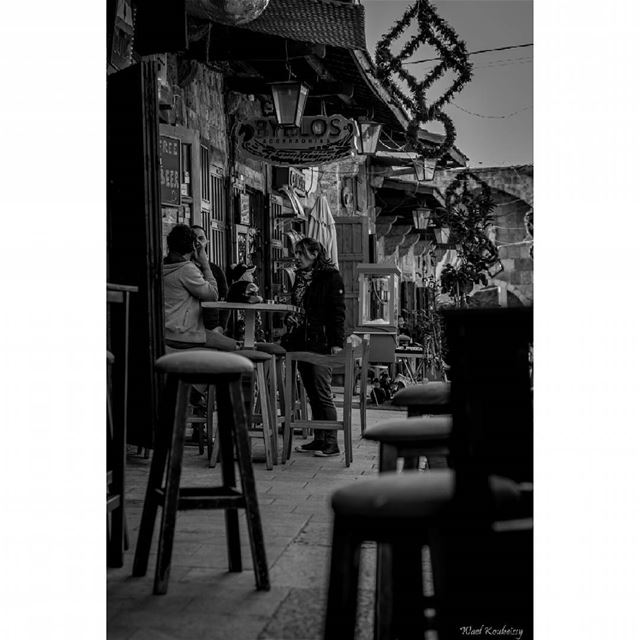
(410, 438)
(406, 438)
(116, 458)
(224, 371)
(430, 398)
(403, 510)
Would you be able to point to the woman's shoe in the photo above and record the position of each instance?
(310, 447)
(327, 451)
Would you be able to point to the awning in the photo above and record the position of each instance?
(338, 24)
(291, 206)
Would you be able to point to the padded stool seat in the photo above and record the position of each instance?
(272, 348)
(254, 355)
(194, 362)
(431, 397)
(417, 429)
(414, 495)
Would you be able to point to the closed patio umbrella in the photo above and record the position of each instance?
(322, 227)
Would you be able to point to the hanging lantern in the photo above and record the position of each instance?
(231, 12)
(442, 235)
(289, 99)
(425, 168)
(421, 217)
(367, 141)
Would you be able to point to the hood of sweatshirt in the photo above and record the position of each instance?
(173, 267)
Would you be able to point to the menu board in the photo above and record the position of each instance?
(169, 170)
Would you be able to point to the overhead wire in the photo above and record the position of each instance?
(472, 53)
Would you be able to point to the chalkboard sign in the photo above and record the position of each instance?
(169, 170)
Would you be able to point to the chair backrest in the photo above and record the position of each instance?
(491, 394)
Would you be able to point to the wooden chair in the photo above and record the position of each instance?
(344, 361)
(224, 371)
(476, 518)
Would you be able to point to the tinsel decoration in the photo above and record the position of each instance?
(468, 213)
(453, 52)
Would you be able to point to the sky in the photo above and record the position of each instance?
(502, 81)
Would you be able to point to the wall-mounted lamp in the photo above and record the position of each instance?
(367, 141)
(289, 99)
(421, 217)
(425, 169)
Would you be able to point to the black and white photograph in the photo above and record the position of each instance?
(315, 223)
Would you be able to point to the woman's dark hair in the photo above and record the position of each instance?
(310, 246)
(181, 239)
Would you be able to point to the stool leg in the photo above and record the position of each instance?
(383, 617)
(408, 592)
(226, 428)
(254, 523)
(210, 429)
(171, 491)
(265, 414)
(158, 462)
(384, 595)
(340, 620)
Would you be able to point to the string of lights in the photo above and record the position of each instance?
(480, 115)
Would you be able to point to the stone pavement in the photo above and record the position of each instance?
(204, 600)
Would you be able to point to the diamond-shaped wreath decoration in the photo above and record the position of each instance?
(453, 52)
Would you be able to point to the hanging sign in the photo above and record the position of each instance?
(245, 208)
(169, 170)
(318, 140)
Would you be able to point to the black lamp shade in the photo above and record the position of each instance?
(289, 99)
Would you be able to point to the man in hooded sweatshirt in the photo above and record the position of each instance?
(187, 282)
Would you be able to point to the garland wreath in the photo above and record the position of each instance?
(453, 51)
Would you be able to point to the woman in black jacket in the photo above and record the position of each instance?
(319, 290)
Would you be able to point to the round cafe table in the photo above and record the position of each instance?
(250, 311)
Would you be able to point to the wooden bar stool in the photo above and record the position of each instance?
(265, 417)
(275, 378)
(410, 438)
(406, 438)
(431, 398)
(223, 371)
(116, 458)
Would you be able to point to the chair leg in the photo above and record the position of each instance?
(273, 410)
(340, 620)
(171, 491)
(226, 423)
(280, 383)
(254, 524)
(288, 410)
(158, 463)
(265, 414)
